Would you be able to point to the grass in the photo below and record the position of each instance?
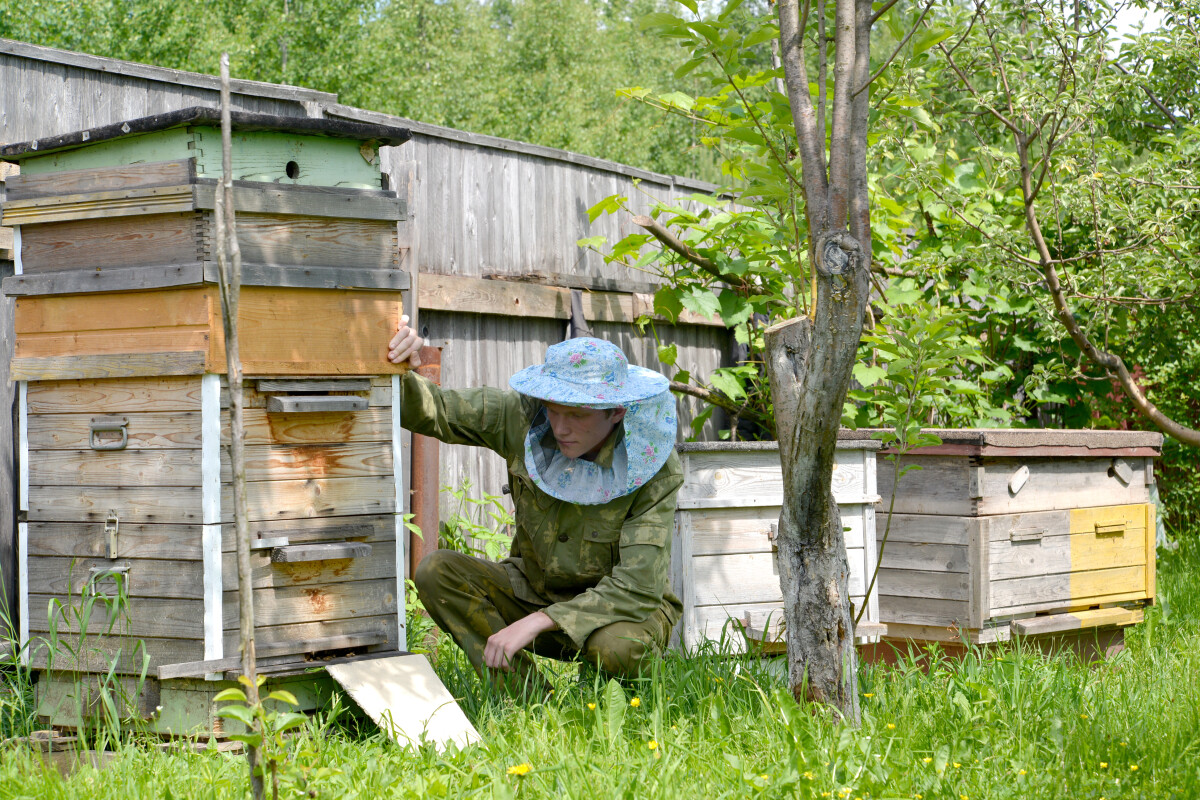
(1007, 723)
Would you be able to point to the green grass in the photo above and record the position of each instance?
(996, 724)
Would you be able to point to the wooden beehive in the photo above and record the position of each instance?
(1029, 532)
(723, 559)
(126, 534)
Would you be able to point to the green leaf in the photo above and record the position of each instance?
(701, 301)
(931, 37)
(678, 99)
(667, 303)
(241, 713)
(231, 694)
(614, 709)
(727, 385)
(284, 696)
(867, 375)
(591, 241)
(764, 34)
(690, 5)
(734, 308)
(609, 205)
(667, 354)
(667, 23)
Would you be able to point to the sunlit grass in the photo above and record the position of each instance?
(1006, 723)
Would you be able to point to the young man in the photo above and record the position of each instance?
(589, 441)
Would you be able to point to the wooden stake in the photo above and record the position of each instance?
(229, 259)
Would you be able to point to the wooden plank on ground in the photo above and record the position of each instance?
(196, 669)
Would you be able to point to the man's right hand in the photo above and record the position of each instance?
(405, 345)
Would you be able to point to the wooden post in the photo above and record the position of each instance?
(229, 258)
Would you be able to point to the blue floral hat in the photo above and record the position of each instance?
(588, 372)
(595, 374)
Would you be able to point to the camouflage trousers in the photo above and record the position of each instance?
(471, 599)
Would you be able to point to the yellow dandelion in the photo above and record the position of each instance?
(1021, 772)
(1133, 767)
(764, 777)
(635, 702)
(869, 694)
(520, 769)
(1103, 765)
(963, 797)
(957, 765)
(926, 760)
(918, 796)
(891, 726)
(808, 776)
(591, 706)
(674, 728)
(843, 792)
(1083, 716)
(1124, 743)
(824, 794)
(653, 745)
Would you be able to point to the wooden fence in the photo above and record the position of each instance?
(490, 241)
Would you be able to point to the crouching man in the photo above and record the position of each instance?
(589, 443)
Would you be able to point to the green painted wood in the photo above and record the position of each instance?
(146, 148)
(257, 156)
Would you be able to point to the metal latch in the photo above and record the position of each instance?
(109, 425)
(111, 524)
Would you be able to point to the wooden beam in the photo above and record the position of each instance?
(482, 296)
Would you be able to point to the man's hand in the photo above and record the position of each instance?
(405, 345)
(507, 642)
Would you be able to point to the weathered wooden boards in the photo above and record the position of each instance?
(723, 560)
(1030, 532)
(117, 536)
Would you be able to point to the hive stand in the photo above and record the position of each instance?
(126, 549)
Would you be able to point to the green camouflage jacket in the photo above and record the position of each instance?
(592, 565)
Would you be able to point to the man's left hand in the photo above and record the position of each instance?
(507, 642)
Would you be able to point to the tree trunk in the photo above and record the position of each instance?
(809, 363)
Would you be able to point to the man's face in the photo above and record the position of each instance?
(580, 431)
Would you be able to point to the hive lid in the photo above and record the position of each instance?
(1035, 442)
(378, 135)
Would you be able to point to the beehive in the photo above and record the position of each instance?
(126, 535)
(723, 554)
(1019, 531)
